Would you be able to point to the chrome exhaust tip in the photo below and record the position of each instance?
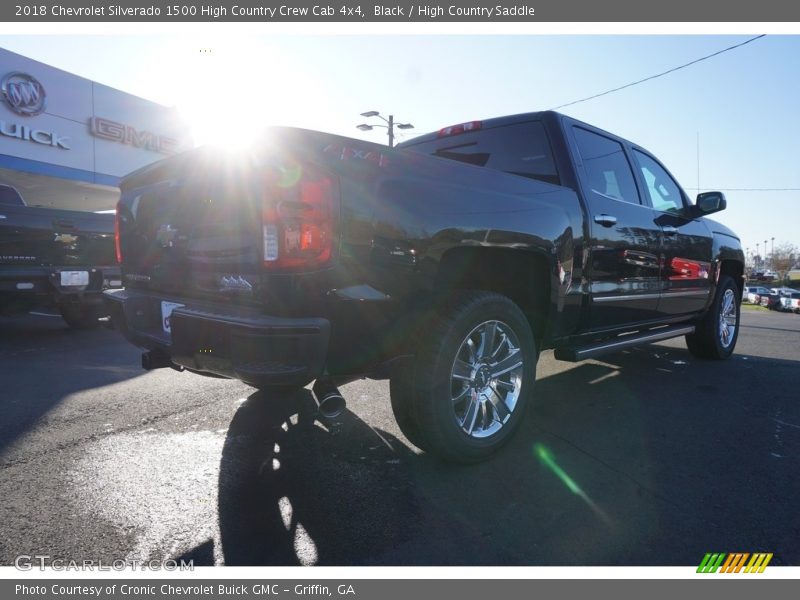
(329, 400)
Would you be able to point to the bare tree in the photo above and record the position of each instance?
(784, 258)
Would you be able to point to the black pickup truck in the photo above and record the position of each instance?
(53, 257)
(446, 265)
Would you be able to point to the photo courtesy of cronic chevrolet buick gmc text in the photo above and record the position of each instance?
(446, 265)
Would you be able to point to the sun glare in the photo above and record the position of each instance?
(227, 91)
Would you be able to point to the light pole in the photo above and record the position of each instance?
(390, 125)
(765, 254)
(772, 255)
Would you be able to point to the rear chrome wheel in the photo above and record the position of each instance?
(473, 373)
(486, 379)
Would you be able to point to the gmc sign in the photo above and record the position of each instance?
(126, 134)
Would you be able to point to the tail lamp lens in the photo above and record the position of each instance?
(297, 218)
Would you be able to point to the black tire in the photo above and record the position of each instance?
(462, 418)
(709, 341)
(401, 392)
(81, 316)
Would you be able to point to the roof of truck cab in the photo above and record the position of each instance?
(547, 116)
(488, 124)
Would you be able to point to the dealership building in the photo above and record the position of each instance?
(66, 141)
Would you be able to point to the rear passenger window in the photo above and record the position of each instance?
(522, 149)
(607, 169)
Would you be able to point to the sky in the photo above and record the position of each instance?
(740, 109)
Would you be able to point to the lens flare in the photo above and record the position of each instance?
(545, 456)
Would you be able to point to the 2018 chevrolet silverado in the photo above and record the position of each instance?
(53, 257)
(446, 265)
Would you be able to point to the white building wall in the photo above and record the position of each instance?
(71, 104)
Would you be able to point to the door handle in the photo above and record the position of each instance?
(605, 220)
(669, 229)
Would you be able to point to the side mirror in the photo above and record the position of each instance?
(709, 202)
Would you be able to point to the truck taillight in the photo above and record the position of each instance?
(117, 244)
(298, 214)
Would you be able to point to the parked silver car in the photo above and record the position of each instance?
(753, 293)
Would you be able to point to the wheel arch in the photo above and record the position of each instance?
(735, 270)
(499, 270)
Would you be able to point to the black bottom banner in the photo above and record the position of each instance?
(388, 589)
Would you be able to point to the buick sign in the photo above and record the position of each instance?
(23, 93)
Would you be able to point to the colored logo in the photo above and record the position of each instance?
(734, 562)
(23, 93)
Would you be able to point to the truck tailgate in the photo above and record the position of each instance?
(33, 236)
(193, 233)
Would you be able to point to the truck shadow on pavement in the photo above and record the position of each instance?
(642, 459)
(295, 490)
(42, 362)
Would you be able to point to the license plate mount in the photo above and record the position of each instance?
(74, 278)
(166, 313)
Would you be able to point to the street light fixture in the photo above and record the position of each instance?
(772, 255)
(390, 125)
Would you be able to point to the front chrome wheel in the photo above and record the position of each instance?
(486, 379)
(727, 319)
(716, 332)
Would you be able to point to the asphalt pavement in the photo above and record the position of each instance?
(646, 457)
